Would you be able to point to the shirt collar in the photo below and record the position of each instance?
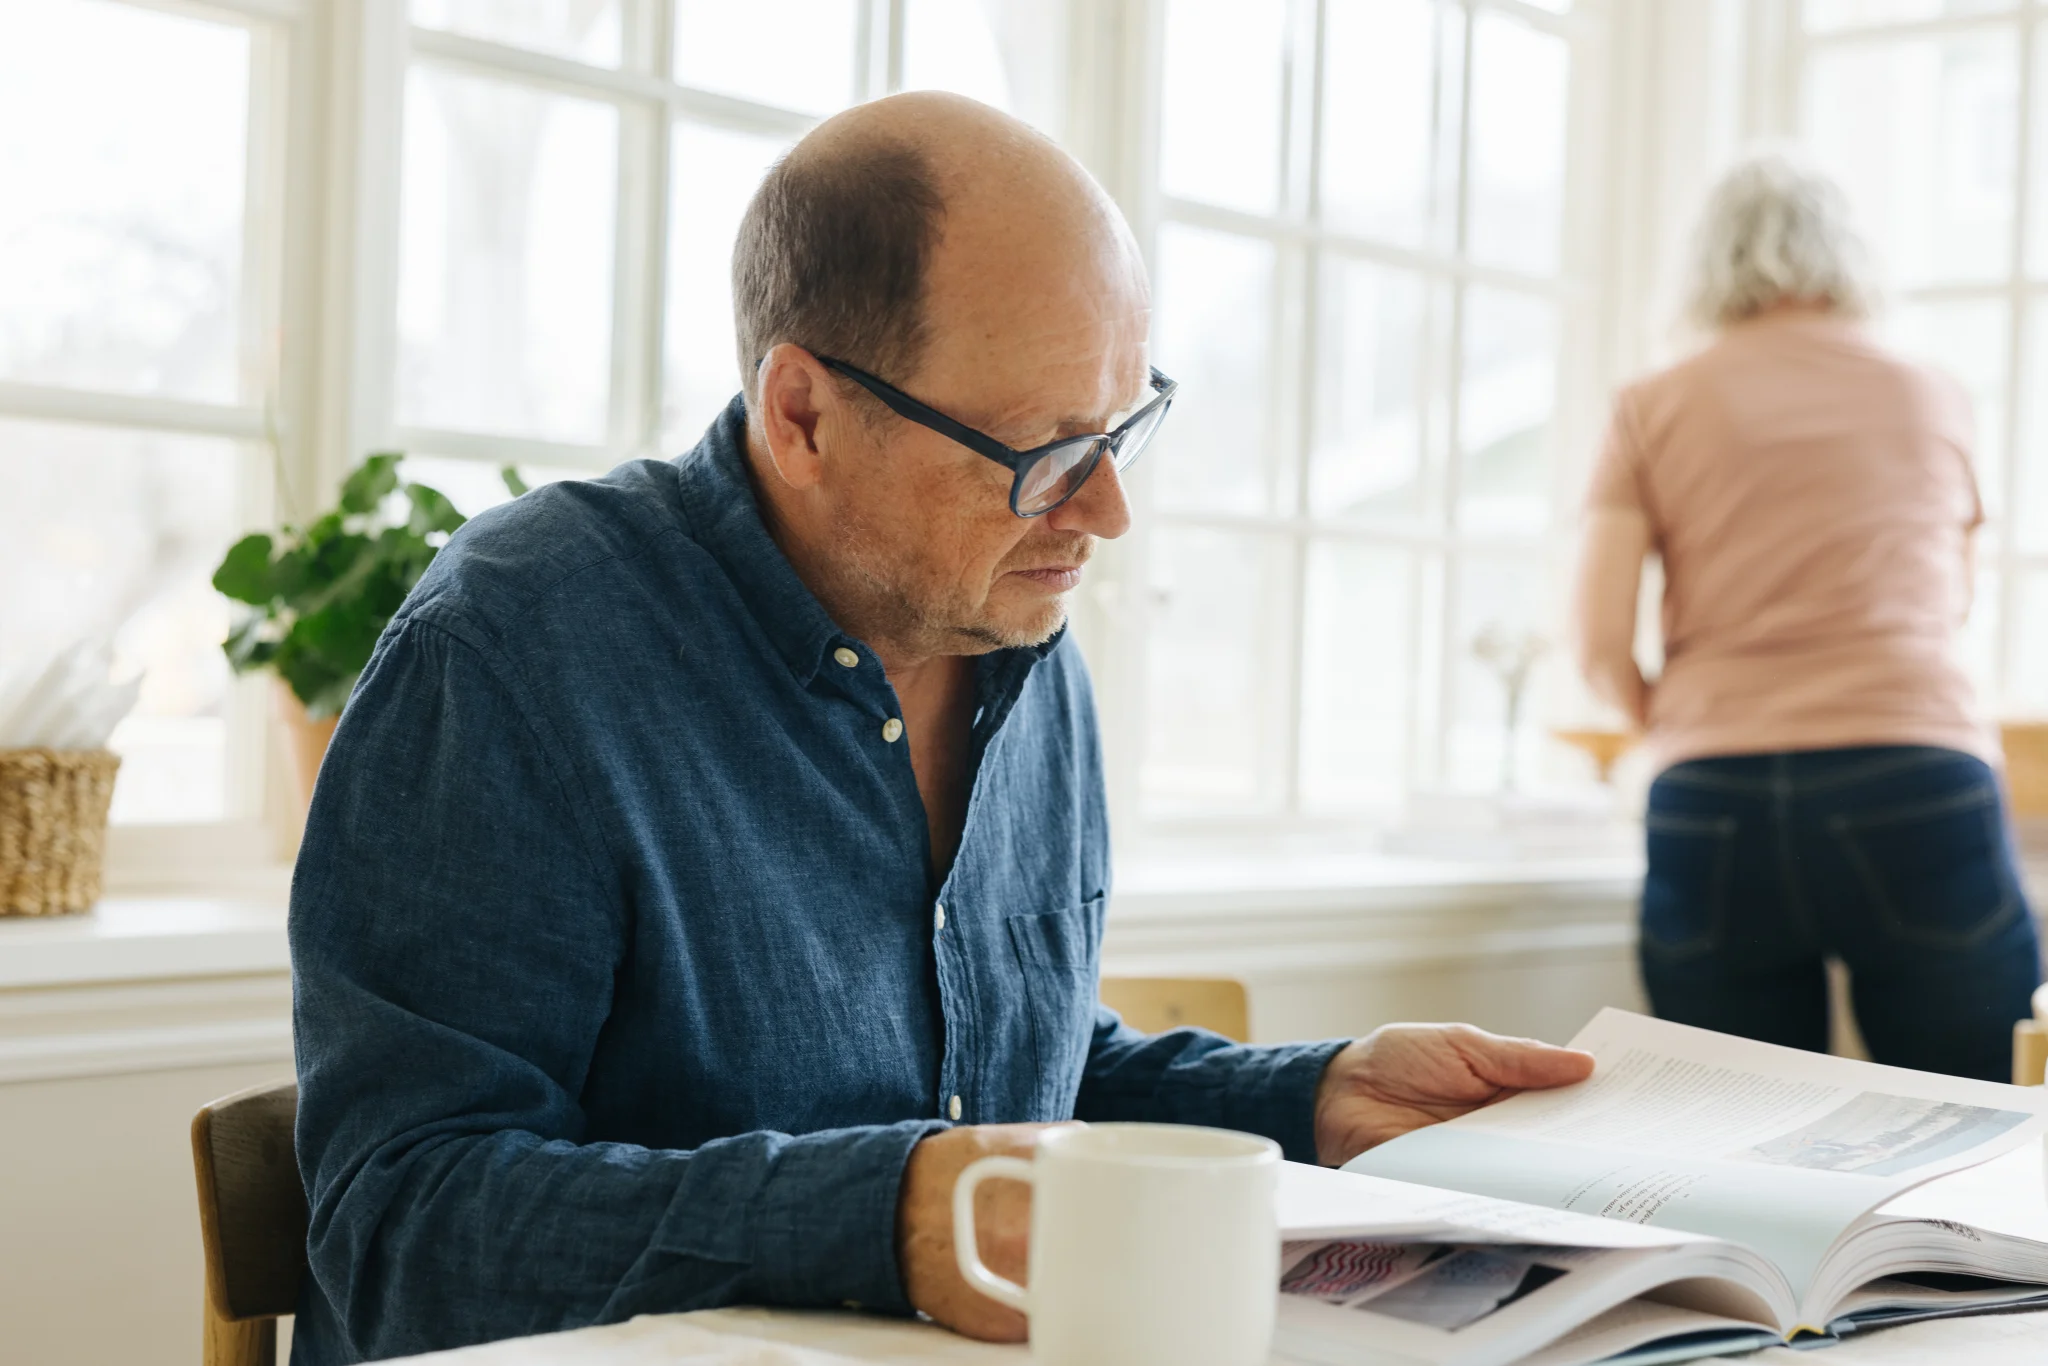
(718, 497)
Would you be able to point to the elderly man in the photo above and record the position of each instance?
(711, 862)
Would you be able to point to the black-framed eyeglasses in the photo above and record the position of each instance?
(1044, 476)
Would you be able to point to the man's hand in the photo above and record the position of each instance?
(1404, 1076)
(1002, 1223)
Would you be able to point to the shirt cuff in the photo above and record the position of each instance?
(825, 1220)
(1275, 1095)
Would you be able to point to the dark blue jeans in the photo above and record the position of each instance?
(1896, 859)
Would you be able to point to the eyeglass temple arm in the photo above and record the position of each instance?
(906, 406)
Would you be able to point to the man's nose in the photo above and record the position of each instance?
(1100, 507)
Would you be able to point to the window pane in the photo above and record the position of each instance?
(1212, 648)
(119, 532)
(123, 157)
(714, 175)
(1356, 674)
(1219, 137)
(1510, 600)
(2026, 682)
(1389, 110)
(505, 281)
(474, 485)
(1213, 331)
(1921, 135)
(2037, 225)
(1969, 341)
(1507, 390)
(948, 45)
(2028, 524)
(797, 54)
(1822, 15)
(587, 30)
(1520, 102)
(1371, 368)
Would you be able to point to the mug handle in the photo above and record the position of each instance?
(965, 1249)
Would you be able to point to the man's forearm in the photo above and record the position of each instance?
(505, 1233)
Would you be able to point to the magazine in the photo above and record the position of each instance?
(1699, 1194)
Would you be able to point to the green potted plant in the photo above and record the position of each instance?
(318, 596)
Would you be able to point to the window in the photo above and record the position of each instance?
(139, 378)
(511, 245)
(1932, 114)
(1363, 279)
(572, 176)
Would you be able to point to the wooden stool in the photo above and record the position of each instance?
(1154, 1004)
(252, 1219)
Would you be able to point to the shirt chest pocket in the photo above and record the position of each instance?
(1058, 955)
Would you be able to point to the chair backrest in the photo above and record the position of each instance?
(252, 1209)
(1153, 1004)
(2030, 1044)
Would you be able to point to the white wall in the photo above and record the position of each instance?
(99, 1225)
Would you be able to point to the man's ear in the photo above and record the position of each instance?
(794, 394)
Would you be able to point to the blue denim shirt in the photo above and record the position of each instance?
(620, 980)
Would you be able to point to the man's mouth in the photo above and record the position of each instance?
(1052, 578)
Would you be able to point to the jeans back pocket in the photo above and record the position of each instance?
(1937, 871)
(1685, 887)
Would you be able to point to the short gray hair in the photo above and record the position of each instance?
(832, 255)
(1775, 230)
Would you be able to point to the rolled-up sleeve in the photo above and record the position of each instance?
(1192, 1076)
(456, 928)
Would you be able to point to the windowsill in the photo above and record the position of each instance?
(1161, 881)
(237, 927)
(144, 938)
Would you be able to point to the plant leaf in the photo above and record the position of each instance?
(244, 572)
(431, 511)
(514, 485)
(245, 646)
(371, 482)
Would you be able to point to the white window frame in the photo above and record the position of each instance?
(268, 421)
(320, 293)
(1578, 415)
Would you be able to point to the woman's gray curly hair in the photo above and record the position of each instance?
(1774, 230)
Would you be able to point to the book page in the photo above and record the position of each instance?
(1318, 1203)
(1687, 1129)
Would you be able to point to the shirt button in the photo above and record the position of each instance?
(953, 1108)
(846, 656)
(939, 916)
(892, 730)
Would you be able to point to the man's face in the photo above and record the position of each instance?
(1028, 340)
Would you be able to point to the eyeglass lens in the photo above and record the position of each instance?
(1054, 476)
(1058, 474)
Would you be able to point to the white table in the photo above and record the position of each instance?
(768, 1337)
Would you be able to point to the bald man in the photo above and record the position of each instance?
(712, 859)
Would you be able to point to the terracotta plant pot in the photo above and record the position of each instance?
(306, 742)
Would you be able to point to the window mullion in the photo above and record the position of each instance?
(2018, 412)
(898, 19)
(1454, 455)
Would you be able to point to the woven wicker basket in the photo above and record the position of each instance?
(53, 828)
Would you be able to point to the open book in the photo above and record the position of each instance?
(1700, 1194)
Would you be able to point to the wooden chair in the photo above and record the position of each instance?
(252, 1220)
(1159, 1003)
(2030, 1044)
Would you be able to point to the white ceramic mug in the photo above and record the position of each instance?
(1151, 1245)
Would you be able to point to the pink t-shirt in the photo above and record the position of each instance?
(1812, 499)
